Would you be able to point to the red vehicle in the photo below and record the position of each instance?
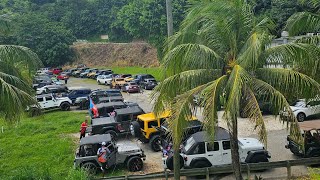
(63, 76)
(56, 71)
(130, 87)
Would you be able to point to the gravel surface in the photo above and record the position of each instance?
(276, 136)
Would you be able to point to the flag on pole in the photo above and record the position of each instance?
(93, 108)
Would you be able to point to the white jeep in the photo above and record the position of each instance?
(49, 101)
(198, 152)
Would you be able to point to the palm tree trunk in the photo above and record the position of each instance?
(176, 163)
(235, 151)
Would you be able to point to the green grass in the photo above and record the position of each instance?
(155, 71)
(41, 147)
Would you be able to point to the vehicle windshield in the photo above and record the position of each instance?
(109, 76)
(87, 71)
(299, 104)
(133, 84)
(119, 79)
(152, 81)
(114, 94)
(188, 144)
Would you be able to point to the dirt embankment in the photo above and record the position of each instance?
(116, 54)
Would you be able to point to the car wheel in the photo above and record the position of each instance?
(155, 143)
(89, 167)
(200, 164)
(65, 106)
(113, 134)
(35, 112)
(135, 129)
(135, 164)
(301, 117)
(169, 162)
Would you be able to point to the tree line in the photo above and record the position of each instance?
(49, 27)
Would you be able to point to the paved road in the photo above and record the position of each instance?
(276, 136)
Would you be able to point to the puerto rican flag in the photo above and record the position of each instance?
(93, 108)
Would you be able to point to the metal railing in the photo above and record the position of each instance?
(216, 170)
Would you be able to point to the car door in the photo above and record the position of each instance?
(226, 152)
(214, 153)
(50, 102)
(111, 157)
(41, 102)
(125, 121)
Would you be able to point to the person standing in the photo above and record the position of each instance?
(102, 156)
(66, 80)
(83, 128)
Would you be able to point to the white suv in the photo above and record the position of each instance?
(302, 108)
(198, 152)
(104, 79)
(48, 101)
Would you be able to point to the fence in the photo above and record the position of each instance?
(215, 170)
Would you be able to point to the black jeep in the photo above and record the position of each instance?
(115, 125)
(104, 109)
(309, 144)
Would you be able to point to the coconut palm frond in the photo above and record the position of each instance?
(252, 111)
(16, 59)
(209, 99)
(252, 50)
(190, 56)
(181, 113)
(290, 55)
(303, 22)
(14, 100)
(238, 78)
(167, 90)
(290, 82)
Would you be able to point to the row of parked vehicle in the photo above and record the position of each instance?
(117, 119)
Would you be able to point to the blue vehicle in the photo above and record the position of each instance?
(78, 92)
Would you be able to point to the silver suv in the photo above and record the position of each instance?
(128, 154)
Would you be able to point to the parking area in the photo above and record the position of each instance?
(277, 134)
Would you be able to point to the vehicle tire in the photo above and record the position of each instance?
(200, 164)
(89, 167)
(65, 106)
(134, 164)
(301, 117)
(259, 158)
(34, 112)
(170, 162)
(113, 134)
(155, 143)
(135, 129)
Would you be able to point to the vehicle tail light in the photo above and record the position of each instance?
(120, 128)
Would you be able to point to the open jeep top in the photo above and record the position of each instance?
(95, 139)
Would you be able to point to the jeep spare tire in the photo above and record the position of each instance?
(169, 162)
(135, 129)
(65, 106)
(134, 164)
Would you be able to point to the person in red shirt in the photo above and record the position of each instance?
(83, 128)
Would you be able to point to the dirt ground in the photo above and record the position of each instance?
(276, 137)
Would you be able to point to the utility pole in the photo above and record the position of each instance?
(169, 17)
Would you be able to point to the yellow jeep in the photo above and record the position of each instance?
(145, 128)
(117, 83)
(92, 74)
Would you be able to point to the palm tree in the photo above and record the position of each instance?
(223, 54)
(17, 64)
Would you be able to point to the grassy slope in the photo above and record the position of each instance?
(40, 146)
(155, 71)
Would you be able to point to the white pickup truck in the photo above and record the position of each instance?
(198, 152)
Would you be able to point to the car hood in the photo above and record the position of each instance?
(128, 148)
(293, 108)
(250, 143)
